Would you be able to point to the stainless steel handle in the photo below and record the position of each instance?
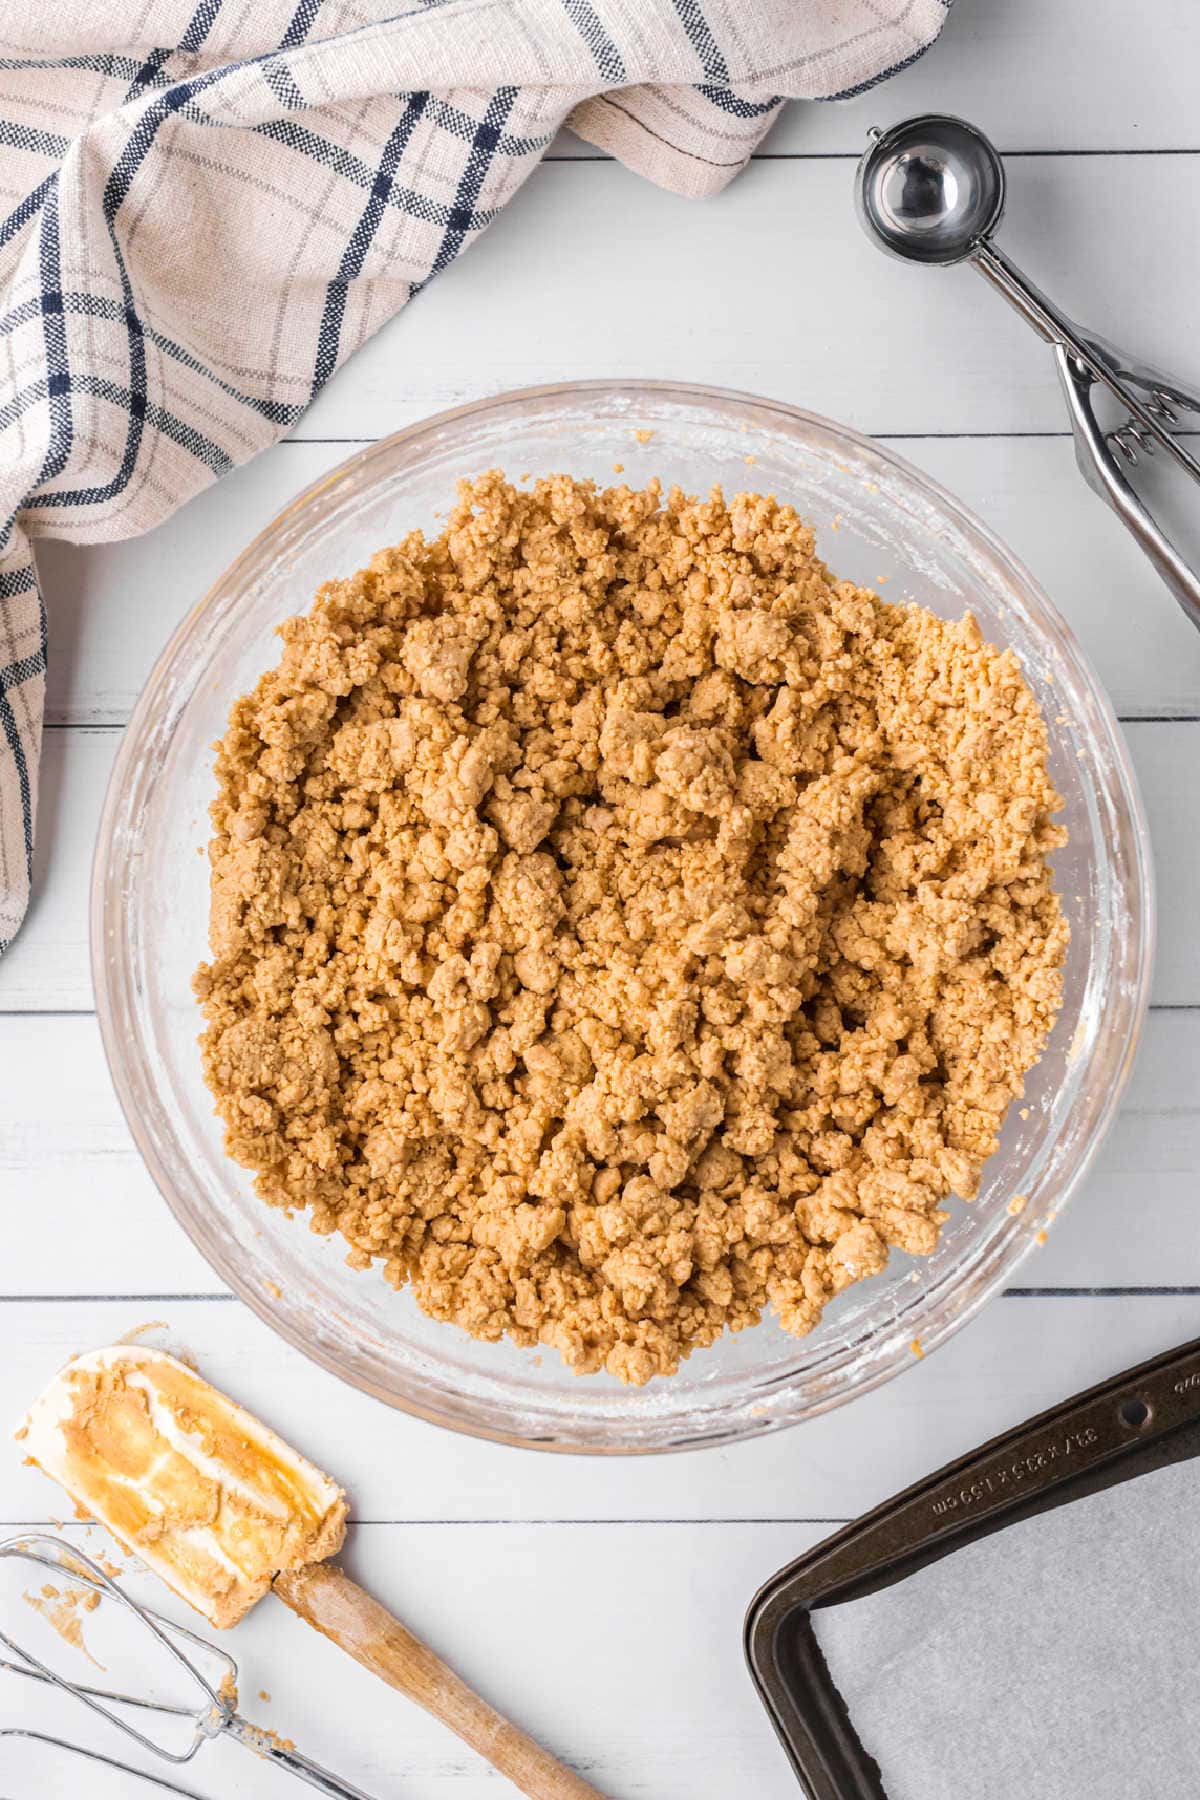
(1102, 362)
(1100, 470)
(1083, 361)
(1020, 293)
(265, 1744)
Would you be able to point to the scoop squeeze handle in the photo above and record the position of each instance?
(338, 1608)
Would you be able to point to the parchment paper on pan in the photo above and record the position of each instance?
(1058, 1658)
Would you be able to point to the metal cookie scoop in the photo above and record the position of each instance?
(931, 190)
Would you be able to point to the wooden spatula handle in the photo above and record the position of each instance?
(340, 1609)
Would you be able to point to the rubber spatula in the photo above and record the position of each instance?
(225, 1512)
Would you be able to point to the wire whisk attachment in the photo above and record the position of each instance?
(161, 1782)
(202, 1677)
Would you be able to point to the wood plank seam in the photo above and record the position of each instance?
(519, 1524)
(108, 727)
(896, 437)
(1150, 1291)
(600, 156)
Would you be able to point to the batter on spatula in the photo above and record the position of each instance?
(212, 1500)
(223, 1510)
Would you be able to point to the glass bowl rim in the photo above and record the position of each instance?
(114, 983)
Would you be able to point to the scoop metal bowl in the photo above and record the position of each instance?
(932, 190)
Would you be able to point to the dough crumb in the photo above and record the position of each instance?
(620, 925)
(61, 1608)
(140, 1331)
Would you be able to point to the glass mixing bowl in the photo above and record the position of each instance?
(876, 519)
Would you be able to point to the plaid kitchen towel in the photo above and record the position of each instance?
(209, 204)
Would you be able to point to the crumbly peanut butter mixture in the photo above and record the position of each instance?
(621, 925)
(215, 1503)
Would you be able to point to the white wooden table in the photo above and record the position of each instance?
(601, 1602)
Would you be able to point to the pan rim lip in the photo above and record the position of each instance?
(760, 1630)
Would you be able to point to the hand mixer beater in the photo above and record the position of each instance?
(203, 1705)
